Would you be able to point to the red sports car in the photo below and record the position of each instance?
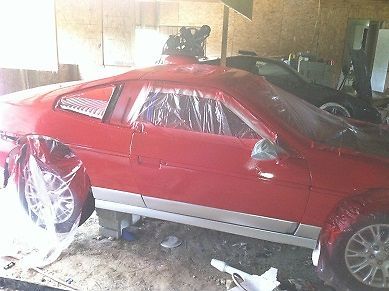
(209, 146)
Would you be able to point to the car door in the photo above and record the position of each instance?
(191, 154)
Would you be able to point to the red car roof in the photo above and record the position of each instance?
(192, 74)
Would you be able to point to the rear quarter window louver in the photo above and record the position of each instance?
(91, 102)
(84, 106)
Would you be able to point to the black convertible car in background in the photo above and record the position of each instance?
(285, 77)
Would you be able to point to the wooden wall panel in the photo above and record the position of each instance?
(298, 26)
(168, 13)
(280, 27)
(260, 34)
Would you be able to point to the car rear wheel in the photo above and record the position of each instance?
(361, 257)
(336, 109)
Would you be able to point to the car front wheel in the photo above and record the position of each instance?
(49, 200)
(361, 256)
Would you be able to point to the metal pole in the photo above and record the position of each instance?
(56, 33)
(226, 15)
(102, 32)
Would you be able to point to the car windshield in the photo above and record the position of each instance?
(321, 126)
(278, 73)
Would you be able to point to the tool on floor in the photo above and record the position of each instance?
(38, 270)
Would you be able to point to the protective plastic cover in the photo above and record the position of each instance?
(323, 127)
(196, 110)
(40, 207)
(193, 110)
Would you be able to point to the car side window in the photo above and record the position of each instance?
(193, 113)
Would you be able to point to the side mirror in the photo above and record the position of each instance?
(265, 150)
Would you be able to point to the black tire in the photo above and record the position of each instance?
(342, 278)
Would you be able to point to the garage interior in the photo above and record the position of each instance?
(95, 38)
(55, 41)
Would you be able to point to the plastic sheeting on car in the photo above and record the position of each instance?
(190, 110)
(41, 204)
(195, 110)
(323, 127)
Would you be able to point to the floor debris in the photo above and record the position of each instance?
(171, 242)
(63, 283)
(145, 265)
(265, 282)
(9, 266)
(128, 235)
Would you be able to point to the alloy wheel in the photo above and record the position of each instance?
(367, 255)
(59, 195)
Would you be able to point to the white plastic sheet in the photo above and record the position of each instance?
(39, 208)
(265, 282)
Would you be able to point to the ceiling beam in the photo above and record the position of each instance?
(244, 7)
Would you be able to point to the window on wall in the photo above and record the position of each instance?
(149, 42)
(148, 45)
(28, 35)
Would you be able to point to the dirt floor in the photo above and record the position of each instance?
(95, 263)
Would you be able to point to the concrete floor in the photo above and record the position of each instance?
(95, 263)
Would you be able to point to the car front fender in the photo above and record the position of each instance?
(8, 142)
(351, 210)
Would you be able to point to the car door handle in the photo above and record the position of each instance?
(150, 162)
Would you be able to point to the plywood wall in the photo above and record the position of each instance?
(79, 25)
(280, 27)
(86, 28)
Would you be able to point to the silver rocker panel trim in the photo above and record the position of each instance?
(250, 220)
(210, 224)
(308, 231)
(118, 196)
